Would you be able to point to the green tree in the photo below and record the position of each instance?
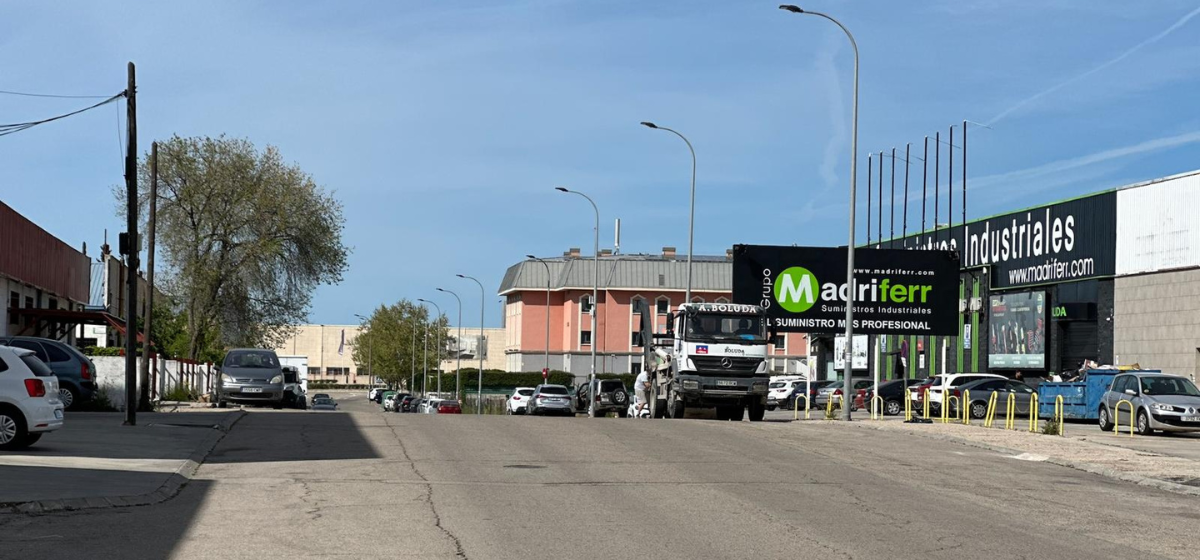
(392, 343)
(244, 239)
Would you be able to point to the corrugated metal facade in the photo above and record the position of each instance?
(1158, 225)
(29, 254)
(709, 274)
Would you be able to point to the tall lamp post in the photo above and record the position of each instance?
(458, 350)
(438, 350)
(370, 353)
(687, 298)
(481, 346)
(595, 291)
(846, 384)
(546, 371)
(412, 380)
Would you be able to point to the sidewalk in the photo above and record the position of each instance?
(94, 461)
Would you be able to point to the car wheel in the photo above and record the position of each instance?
(722, 413)
(675, 407)
(12, 429)
(978, 410)
(68, 396)
(222, 404)
(891, 408)
(1143, 423)
(1105, 421)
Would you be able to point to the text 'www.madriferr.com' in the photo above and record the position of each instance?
(1052, 269)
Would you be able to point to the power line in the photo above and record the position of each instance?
(27, 94)
(6, 129)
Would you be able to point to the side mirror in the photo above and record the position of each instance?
(1130, 392)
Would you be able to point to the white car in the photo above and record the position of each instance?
(373, 393)
(429, 406)
(939, 384)
(29, 405)
(779, 390)
(519, 401)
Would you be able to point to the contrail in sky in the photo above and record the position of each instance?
(1154, 39)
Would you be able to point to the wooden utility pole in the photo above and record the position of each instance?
(131, 251)
(144, 374)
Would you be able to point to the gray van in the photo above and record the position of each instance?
(250, 376)
(76, 373)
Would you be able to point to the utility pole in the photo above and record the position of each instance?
(131, 256)
(412, 381)
(144, 374)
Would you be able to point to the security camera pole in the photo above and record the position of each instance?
(846, 385)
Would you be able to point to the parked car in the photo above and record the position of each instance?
(550, 399)
(1161, 401)
(324, 404)
(250, 376)
(892, 392)
(396, 400)
(374, 394)
(418, 405)
(448, 406)
(429, 406)
(981, 392)
(76, 373)
(386, 399)
(406, 403)
(939, 384)
(780, 389)
(518, 401)
(835, 388)
(611, 397)
(798, 391)
(322, 396)
(293, 391)
(29, 399)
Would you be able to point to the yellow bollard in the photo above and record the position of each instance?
(1117, 417)
(1058, 414)
(1033, 412)
(946, 406)
(991, 411)
(879, 408)
(926, 404)
(907, 405)
(829, 407)
(965, 406)
(797, 415)
(1010, 420)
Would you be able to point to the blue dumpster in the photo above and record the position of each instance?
(1081, 399)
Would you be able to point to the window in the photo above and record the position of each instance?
(28, 305)
(314, 371)
(635, 368)
(635, 339)
(635, 304)
(697, 299)
(585, 304)
(722, 300)
(14, 302)
(1018, 387)
(337, 371)
(585, 337)
(53, 304)
(1120, 384)
(56, 355)
(662, 306)
(989, 386)
(777, 340)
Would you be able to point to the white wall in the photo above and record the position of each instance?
(110, 376)
(1157, 227)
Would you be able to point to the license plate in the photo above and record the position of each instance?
(1191, 418)
(252, 390)
(726, 383)
(58, 415)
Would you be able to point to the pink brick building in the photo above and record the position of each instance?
(660, 280)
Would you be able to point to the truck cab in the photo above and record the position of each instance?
(712, 356)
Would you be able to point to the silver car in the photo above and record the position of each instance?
(250, 376)
(1159, 402)
(550, 399)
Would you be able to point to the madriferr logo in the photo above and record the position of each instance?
(796, 289)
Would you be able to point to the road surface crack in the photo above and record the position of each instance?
(459, 552)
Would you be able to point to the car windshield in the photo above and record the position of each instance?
(322, 401)
(525, 392)
(778, 385)
(1169, 386)
(726, 327)
(251, 359)
(553, 390)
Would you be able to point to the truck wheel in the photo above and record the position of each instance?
(736, 413)
(722, 413)
(675, 406)
(658, 408)
(757, 411)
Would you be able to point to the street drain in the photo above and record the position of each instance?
(524, 466)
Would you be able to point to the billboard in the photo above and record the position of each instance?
(858, 361)
(1063, 242)
(804, 289)
(1018, 330)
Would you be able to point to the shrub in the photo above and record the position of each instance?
(179, 393)
(1051, 427)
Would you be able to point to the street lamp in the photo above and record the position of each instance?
(438, 350)
(546, 372)
(595, 291)
(480, 346)
(846, 384)
(458, 351)
(691, 212)
(370, 353)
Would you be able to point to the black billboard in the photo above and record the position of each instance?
(804, 289)
(1063, 242)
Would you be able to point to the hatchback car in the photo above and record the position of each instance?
(518, 402)
(892, 393)
(250, 376)
(448, 406)
(29, 404)
(939, 384)
(407, 403)
(76, 373)
(550, 399)
(1165, 402)
(835, 389)
(980, 392)
(324, 404)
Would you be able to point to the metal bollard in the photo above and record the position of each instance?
(1058, 415)
(797, 415)
(946, 406)
(991, 411)
(927, 404)
(829, 405)
(879, 408)
(1033, 412)
(965, 407)
(1010, 421)
(907, 405)
(1117, 417)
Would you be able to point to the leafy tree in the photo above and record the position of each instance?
(244, 237)
(392, 343)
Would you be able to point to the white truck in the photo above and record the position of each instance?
(713, 355)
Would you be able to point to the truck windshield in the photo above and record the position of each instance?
(726, 327)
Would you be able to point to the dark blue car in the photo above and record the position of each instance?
(76, 373)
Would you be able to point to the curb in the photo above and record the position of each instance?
(167, 490)
(1092, 468)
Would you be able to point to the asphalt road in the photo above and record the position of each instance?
(367, 484)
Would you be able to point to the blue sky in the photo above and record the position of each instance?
(443, 126)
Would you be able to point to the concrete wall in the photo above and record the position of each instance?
(110, 376)
(1156, 321)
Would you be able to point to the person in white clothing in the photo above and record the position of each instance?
(641, 388)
